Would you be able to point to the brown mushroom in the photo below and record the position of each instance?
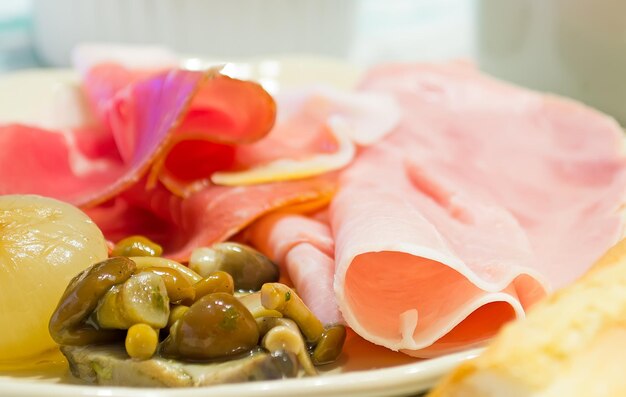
(217, 325)
(249, 268)
(68, 325)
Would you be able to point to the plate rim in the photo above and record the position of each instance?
(406, 378)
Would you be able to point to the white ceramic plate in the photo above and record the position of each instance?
(51, 98)
(400, 380)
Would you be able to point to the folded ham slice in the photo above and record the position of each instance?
(86, 164)
(304, 248)
(144, 117)
(317, 131)
(197, 139)
(484, 197)
(205, 217)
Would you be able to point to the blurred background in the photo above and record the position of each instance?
(575, 48)
(42, 32)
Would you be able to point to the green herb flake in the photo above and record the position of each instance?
(157, 299)
(229, 321)
(287, 296)
(102, 373)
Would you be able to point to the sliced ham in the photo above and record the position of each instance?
(225, 113)
(222, 112)
(484, 197)
(305, 249)
(216, 213)
(317, 131)
(84, 165)
(210, 215)
(143, 116)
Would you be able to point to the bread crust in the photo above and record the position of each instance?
(560, 337)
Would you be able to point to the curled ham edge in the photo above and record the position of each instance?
(83, 165)
(340, 118)
(353, 271)
(290, 169)
(305, 246)
(160, 151)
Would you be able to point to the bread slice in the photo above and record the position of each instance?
(571, 344)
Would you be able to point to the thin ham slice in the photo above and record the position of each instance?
(144, 116)
(210, 215)
(304, 248)
(85, 165)
(317, 131)
(225, 114)
(222, 112)
(484, 197)
(216, 213)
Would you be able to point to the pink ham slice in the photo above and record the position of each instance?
(302, 245)
(86, 165)
(205, 217)
(303, 115)
(144, 117)
(316, 132)
(304, 248)
(221, 112)
(484, 197)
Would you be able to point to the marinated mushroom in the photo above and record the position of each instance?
(68, 324)
(143, 262)
(178, 286)
(282, 334)
(142, 298)
(137, 246)
(329, 346)
(217, 325)
(110, 365)
(176, 313)
(201, 319)
(249, 268)
(141, 341)
(254, 305)
(215, 282)
(279, 297)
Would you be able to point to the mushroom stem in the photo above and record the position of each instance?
(282, 334)
(253, 303)
(150, 261)
(137, 246)
(178, 286)
(250, 268)
(279, 297)
(215, 282)
(329, 346)
(141, 299)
